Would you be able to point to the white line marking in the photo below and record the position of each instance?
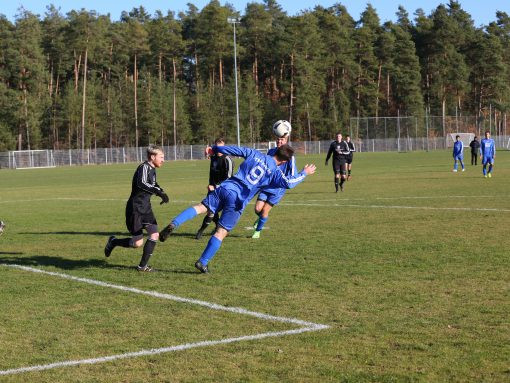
(290, 203)
(395, 207)
(307, 326)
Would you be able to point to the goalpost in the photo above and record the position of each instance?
(466, 139)
(27, 159)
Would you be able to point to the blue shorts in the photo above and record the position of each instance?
(227, 202)
(459, 157)
(272, 196)
(488, 160)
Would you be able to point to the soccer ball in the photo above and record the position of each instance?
(282, 128)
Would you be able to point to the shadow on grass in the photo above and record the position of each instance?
(99, 233)
(11, 252)
(72, 264)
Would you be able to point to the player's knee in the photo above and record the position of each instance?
(137, 243)
(221, 233)
(154, 236)
(200, 208)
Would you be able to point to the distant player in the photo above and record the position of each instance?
(458, 153)
(270, 197)
(221, 168)
(2, 227)
(352, 149)
(475, 148)
(340, 151)
(231, 197)
(487, 153)
(139, 213)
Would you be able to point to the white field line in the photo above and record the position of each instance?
(394, 207)
(313, 204)
(307, 326)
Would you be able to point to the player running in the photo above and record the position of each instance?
(269, 197)
(340, 151)
(139, 213)
(256, 172)
(458, 153)
(352, 149)
(221, 168)
(487, 153)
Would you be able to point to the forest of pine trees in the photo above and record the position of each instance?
(81, 80)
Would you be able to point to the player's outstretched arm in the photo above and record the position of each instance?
(309, 169)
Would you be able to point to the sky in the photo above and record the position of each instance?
(482, 11)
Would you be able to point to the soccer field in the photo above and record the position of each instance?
(403, 277)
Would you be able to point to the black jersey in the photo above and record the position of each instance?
(340, 151)
(138, 207)
(222, 167)
(143, 186)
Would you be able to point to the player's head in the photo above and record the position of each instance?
(282, 141)
(475, 138)
(283, 154)
(457, 137)
(339, 136)
(347, 138)
(155, 155)
(219, 141)
(487, 134)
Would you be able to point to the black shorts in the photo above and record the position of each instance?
(349, 160)
(339, 166)
(138, 217)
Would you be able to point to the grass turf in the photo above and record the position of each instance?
(409, 267)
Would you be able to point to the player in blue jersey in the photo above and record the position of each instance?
(458, 153)
(487, 153)
(231, 197)
(269, 197)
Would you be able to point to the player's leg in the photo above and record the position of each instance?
(461, 163)
(259, 205)
(228, 220)
(205, 223)
(491, 164)
(343, 175)
(454, 164)
(349, 168)
(148, 249)
(186, 215)
(264, 216)
(484, 166)
(336, 170)
(134, 226)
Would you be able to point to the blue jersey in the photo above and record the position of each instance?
(487, 148)
(258, 171)
(458, 149)
(288, 168)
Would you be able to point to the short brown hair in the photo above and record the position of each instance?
(152, 150)
(219, 140)
(284, 153)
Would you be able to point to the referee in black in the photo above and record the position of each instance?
(340, 151)
(221, 168)
(352, 149)
(139, 213)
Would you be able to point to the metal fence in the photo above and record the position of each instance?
(104, 156)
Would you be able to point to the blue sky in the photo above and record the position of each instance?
(482, 12)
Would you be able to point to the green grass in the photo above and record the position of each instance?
(411, 277)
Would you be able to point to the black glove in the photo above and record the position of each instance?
(164, 197)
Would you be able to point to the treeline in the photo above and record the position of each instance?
(81, 80)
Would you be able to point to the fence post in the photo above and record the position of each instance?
(305, 147)
(191, 152)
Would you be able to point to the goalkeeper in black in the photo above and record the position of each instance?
(139, 213)
(341, 152)
(221, 168)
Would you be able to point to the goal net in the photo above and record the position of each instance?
(466, 139)
(264, 147)
(27, 159)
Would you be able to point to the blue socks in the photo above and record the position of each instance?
(186, 215)
(212, 247)
(262, 221)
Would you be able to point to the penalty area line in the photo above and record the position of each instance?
(306, 326)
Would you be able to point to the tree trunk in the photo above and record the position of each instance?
(221, 73)
(291, 101)
(84, 99)
(136, 101)
(377, 94)
(197, 81)
(175, 103)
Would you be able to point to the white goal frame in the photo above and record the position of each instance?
(31, 159)
(466, 138)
